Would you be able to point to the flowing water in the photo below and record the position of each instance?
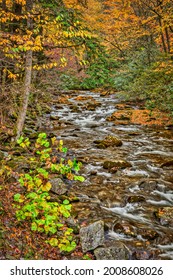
(135, 202)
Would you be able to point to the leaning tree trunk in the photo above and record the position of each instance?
(28, 74)
(27, 86)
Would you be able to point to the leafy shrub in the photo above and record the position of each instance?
(100, 73)
(34, 204)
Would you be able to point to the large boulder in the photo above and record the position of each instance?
(92, 236)
(118, 251)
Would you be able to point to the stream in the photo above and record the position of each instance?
(135, 203)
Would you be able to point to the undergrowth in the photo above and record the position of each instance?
(33, 203)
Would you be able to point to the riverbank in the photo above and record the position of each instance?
(132, 200)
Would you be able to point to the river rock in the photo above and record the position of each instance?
(54, 117)
(125, 228)
(92, 236)
(58, 186)
(148, 185)
(167, 163)
(117, 163)
(91, 106)
(164, 215)
(118, 251)
(149, 234)
(109, 141)
(135, 198)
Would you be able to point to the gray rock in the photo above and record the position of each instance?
(58, 186)
(148, 184)
(92, 236)
(118, 251)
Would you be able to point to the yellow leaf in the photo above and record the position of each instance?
(46, 187)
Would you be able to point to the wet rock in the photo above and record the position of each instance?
(83, 159)
(118, 251)
(142, 255)
(114, 170)
(148, 185)
(92, 236)
(170, 179)
(109, 141)
(167, 163)
(117, 163)
(101, 146)
(91, 106)
(125, 228)
(72, 224)
(150, 234)
(83, 98)
(58, 186)
(54, 117)
(106, 93)
(93, 173)
(58, 106)
(135, 198)
(122, 115)
(164, 216)
(75, 109)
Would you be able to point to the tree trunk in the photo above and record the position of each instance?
(167, 39)
(162, 36)
(27, 86)
(28, 74)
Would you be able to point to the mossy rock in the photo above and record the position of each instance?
(109, 141)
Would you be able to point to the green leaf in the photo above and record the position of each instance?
(34, 226)
(60, 225)
(66, 201)
(53, 230)
(46, 144)
(32, 195)
(17, 197)
(42, 135)
(21, 181)
(40, 222)
(67, 207)
(79, 178)
(64, 150)
(20, 140)
(43, 172)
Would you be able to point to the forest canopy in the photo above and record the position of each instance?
(125, 45)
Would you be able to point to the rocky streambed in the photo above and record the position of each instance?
(128, 169)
